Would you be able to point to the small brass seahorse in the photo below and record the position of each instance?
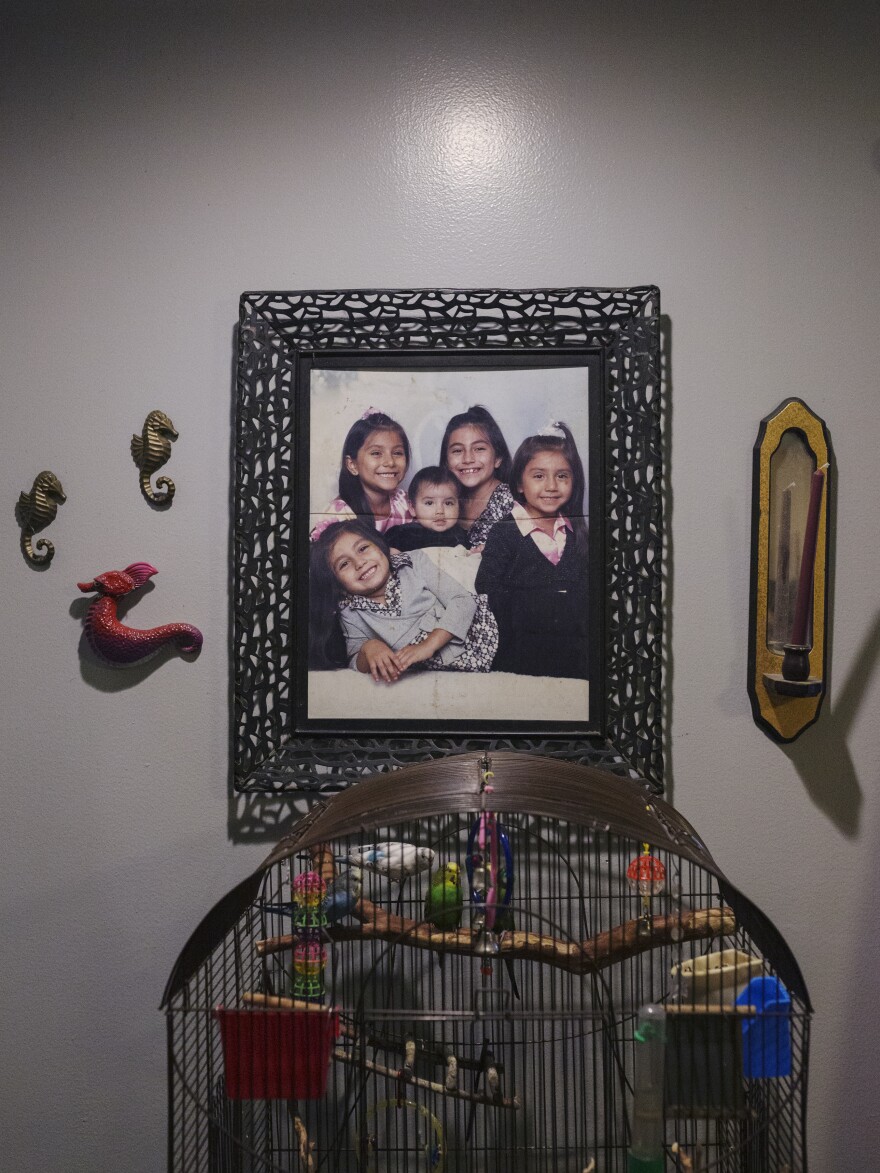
(150, 450)
(34, 511)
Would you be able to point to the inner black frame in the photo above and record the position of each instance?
(279, 329)
(591, 360)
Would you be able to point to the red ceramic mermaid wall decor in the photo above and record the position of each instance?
(114, 641)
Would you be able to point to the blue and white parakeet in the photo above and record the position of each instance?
(342, 895)
(397, 861)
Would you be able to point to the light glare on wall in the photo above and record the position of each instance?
(472, 143)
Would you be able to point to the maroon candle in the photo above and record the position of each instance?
(808, 559)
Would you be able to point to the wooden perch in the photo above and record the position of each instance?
(685, 1163)
(429, 1084)
(596, 953)
(305, 1147)
(280, 1002)
(323, 862)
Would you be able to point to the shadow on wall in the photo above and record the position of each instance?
(822, 758)
(856, 1001)
(266, 818)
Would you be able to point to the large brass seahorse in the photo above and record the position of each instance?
(150, 450)
(34, 511)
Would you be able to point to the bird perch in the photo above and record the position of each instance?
(441, 1089)
(584, 957)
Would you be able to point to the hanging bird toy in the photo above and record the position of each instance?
(308, 891)
(309, 961)
(309, 922)
(647, 876)
(490, 882)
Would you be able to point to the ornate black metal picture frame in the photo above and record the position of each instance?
(353, 422)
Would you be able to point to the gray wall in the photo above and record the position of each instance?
(158, 162)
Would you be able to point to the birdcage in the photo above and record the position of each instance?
(473, 964)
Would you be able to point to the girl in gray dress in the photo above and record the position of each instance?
(396, 611)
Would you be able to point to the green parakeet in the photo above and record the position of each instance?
(443, 903)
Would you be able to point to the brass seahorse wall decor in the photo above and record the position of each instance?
(34, 511)
(150, 450)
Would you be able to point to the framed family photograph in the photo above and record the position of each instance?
(448, 530)
(459, 493)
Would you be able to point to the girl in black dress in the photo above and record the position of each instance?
(534, 565)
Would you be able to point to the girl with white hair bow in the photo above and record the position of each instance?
(534, 565)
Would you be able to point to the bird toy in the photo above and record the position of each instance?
(489, 885)
(491, 882)
(309, 961)
(309, 921)
(488, 893)
(308, 891)
(647, 876)
(340, 898)
(117, 643)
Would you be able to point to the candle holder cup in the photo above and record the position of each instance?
(796, 662)
(795, 678)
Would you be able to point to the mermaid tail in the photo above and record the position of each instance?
(117, 642)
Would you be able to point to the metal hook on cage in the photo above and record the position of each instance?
(486, 773)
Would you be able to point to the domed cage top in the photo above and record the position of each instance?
(488, 964)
